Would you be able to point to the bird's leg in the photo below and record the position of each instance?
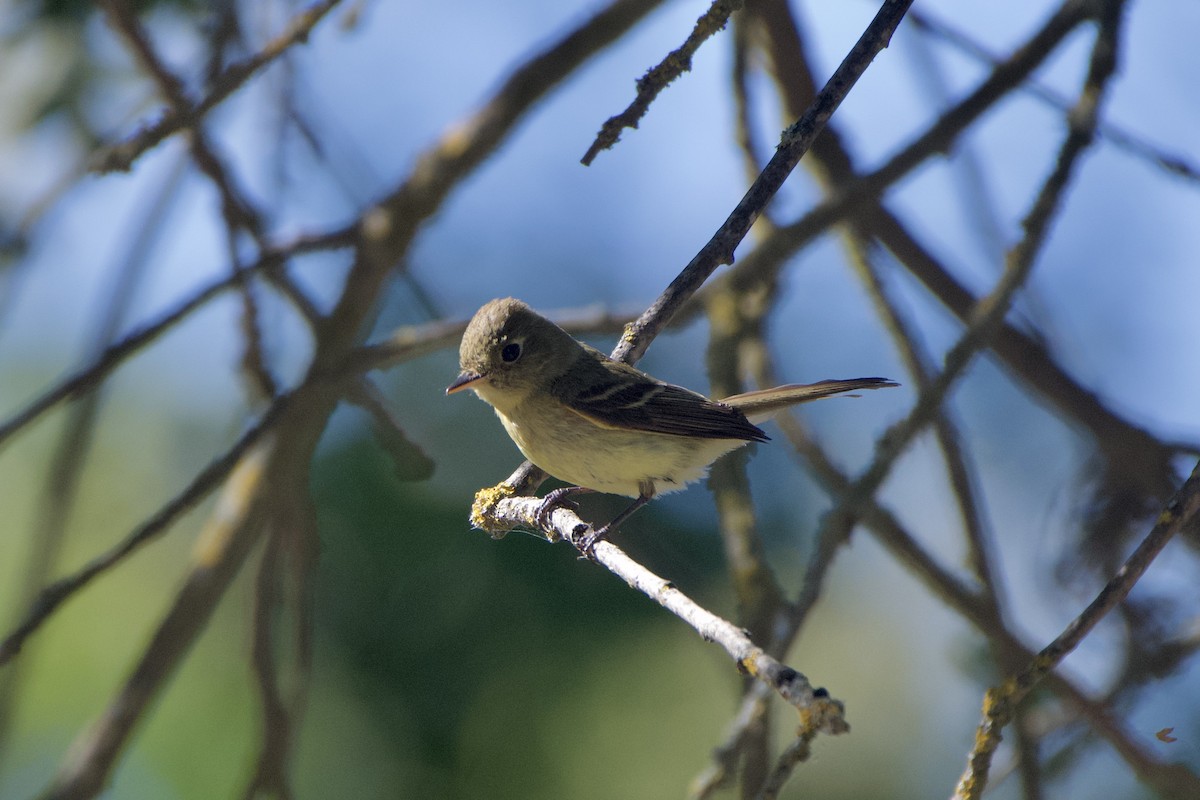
(588, 542)
(553, 500)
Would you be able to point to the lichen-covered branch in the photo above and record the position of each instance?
(498, 510)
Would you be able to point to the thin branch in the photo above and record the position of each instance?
(795, 142)
(61, 484)
(962, 480)
(91, 376)
(649, 86)
(237, 210)
(750, 715)
(1181, 513)
(279, 466)
(984, 321)
(734, 323)
(88, 378)
(854, 197)
(1118, 136)
(917, 363)
(736, 334)
(254, 363)
(497, 511)
(744, 131)
(208, 479)
(409, 462)
(999, 703)
(981, 614)
(221, 549)
(120, 157)
(798, 751)
(387, 230)
(291, 552)
(270, 772)
(1149, 469)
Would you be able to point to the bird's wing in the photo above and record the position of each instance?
(618, 396)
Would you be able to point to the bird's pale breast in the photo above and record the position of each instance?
(575, 450)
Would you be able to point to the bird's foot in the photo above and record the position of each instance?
(553, 500)
(587, 543)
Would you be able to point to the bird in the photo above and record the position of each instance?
(602, 425)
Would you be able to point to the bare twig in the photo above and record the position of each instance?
(744, 132)
(208, 479)
(795, 142)
(734, 320)
(291, 551)
(409, 462)
(236, 208)
(799, 750)
(1182, 513)
(1133, 454)
(1120, 137)
(91, 376)
(270, 773)
(120, 157)
(750, 715)
(975, 609)
(962, 480)
(387, 230)
(917, 363)
(278, 467)
(858, 195)
(984, 321)
(736, 335)
(1000, 703)
(649, 86)
(222, 548)
(497, 511)
(60, 488)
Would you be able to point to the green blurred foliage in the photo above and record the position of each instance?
(480, 656)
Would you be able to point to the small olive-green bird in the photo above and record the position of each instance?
(601, 424)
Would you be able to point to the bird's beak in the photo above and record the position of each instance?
(465, 380)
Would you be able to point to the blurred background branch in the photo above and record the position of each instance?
(239, 243)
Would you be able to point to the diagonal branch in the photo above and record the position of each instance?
(206, 481)
(1182, 513)
(498, 511)
(659, 77)
(794, 144)
(980, 613)
(222, 548)
(1120, 137)
(985, 320)
(277, 468)
(88, 378)
(120, 157)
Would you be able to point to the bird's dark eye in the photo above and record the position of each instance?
(511, 352)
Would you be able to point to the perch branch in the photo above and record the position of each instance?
(498, 512)
(278, 467)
